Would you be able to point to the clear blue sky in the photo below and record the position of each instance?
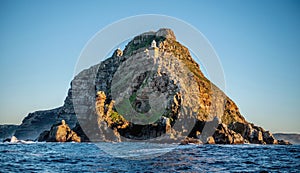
(258, 43)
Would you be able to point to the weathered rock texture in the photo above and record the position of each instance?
(59, 133)
(191, 102)
(223, 135)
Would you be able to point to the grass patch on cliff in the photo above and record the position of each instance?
(117, 118)
(132, 98)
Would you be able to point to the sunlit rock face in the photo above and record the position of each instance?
(153, 81)
(59, 133)
(156, 91)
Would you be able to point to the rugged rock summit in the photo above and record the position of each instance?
(152, 90)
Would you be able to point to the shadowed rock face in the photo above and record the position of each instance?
(173, 77)
(223, 135)
(7, 131)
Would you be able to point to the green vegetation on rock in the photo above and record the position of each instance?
(117, 118)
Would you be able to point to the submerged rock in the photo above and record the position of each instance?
(190, 141)
(210, 140)
(284, 142)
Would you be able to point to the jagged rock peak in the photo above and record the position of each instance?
(166, 32)
(117, 53)
(162, 32)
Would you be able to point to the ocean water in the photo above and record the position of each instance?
(91, 157)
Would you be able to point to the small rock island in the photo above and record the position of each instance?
(156, 78)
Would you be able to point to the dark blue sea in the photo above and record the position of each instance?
(135, 157)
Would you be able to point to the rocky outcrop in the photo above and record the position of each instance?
(223, 135)
(253, 134)
(107, 114)
(284, 142)
(234, 133)
(291, 137)
(108, 118)
(59, 133)
(188, 140)
(78, 130)
(35, 123)
(44, 136)
(210, 140)
(152, 89)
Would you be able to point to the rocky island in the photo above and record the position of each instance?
(152, 90)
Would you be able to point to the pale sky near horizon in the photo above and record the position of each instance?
(258, 43)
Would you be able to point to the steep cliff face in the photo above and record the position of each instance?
(157, 87)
